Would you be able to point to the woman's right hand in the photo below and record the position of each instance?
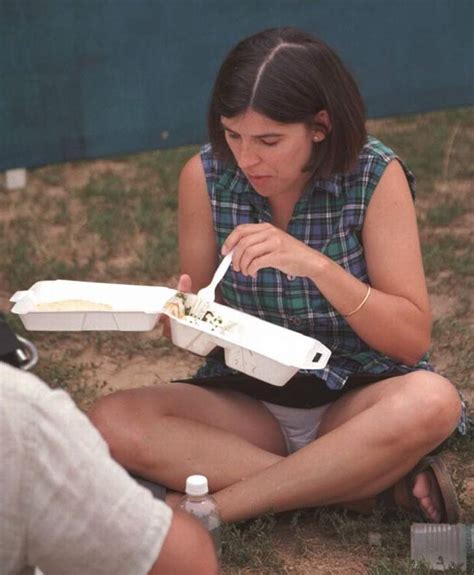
(184, 286)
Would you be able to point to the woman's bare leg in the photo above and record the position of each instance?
(168, 432)
(370, 438)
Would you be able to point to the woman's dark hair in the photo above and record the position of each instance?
(289, 76)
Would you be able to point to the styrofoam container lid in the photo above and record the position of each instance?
(134, 307)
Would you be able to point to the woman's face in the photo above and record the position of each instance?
(272, 155)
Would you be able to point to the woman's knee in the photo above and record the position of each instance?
(106, 412)
(117, 418)
(438, 405)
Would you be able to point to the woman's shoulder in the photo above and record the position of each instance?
(374, 158)
(192, 172)
(377, 151)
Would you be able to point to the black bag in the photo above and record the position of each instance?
(14, 349)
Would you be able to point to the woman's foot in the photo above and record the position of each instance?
(428, 489)
(427, 492)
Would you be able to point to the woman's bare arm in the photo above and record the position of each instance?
(396, 319)
(197, 242)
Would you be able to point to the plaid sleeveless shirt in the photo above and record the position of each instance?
(328, 217)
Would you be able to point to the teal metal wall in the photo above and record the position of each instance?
(88, 78)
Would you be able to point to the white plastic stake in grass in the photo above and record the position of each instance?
(15, 179)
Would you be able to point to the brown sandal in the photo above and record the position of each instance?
(401, 494)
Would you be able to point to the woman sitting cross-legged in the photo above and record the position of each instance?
(322, 223)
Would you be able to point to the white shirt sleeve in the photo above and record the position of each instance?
(72, 508)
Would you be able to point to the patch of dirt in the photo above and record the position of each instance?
(140, 371)
(442, 305)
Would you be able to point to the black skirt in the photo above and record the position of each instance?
(302, 391)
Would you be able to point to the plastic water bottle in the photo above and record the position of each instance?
(441, 545)
(199, 503)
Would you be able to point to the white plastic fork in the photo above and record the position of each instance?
(207, 295)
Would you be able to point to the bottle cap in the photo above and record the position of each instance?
(197, 485)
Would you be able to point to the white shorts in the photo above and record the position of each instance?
(299, 426)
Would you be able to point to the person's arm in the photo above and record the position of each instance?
(187, 550)
(197, 240)
(396, 318)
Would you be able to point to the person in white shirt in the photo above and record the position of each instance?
(67, 507)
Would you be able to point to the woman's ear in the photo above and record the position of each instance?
(322, 126)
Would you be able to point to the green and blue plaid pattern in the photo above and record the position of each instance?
(329, 218)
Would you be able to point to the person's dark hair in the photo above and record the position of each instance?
(289, 76)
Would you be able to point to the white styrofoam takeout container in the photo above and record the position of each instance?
(135, 308)
(258, 348)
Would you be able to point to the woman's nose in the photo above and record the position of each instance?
(247, 156)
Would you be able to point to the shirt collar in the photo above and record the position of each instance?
(331, 186)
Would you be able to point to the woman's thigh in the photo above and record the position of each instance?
(138, 409)
(422, 396)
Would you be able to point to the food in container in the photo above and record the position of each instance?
(180, 306)
(73, 305)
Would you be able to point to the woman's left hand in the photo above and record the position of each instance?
(258, 246)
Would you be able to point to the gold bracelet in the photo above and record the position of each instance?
(362, 303)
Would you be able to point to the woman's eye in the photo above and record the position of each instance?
(269, 142)
(232, 136)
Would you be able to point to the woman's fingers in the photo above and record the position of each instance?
(257, 246)
(253, 241)
(250, 247)
(185, 284)
(240, 232)
(260, 262)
